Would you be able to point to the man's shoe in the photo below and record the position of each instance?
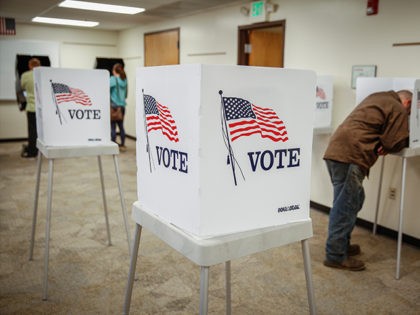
(350, 264)
(353, 250)
(26, 154)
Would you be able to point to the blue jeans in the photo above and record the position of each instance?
(120, 125)
(349, 195)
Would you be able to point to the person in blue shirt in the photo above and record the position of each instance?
(118, 90)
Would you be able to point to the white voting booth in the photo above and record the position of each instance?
(223, 158)
(323, 104)
(73, 120)
(221, 175)
(71, 111)
(367, 86)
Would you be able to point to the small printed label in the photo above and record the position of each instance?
(288, 208)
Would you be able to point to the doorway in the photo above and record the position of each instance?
(262, 44)
(161, 48)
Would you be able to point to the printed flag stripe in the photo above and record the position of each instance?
(64, 94)
(275, 139)
(264, 123)
(253, 128)
(7, 26)
(252, 125)
(245, 119)
(167, 132)
(75, 95)
(154, 123)
(159, 117)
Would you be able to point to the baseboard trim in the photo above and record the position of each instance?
(369, 226)
(14, 140)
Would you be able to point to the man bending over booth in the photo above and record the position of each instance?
(377, 126)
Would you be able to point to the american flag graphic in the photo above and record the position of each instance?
(7, 26)
(158, 117)
(245, 119)
(63, 94)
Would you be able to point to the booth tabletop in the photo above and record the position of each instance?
(212, 250)
(408, 152)
(57, 152)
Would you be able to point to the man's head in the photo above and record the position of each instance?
(405, 97)
(33, 62)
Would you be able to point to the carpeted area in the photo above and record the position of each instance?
(86, 276)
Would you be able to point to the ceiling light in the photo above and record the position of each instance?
(100, 7)
(64, 21)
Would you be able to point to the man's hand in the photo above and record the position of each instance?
(381, 151)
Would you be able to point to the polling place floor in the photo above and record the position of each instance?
(88, 277)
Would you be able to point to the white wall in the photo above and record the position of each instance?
(327, 36)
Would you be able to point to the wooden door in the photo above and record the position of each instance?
(262, 44)
(266, 47)
(161, 48)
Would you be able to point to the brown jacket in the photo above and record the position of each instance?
(379, 120)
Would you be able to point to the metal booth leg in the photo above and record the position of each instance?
(35, 212)
(400, 223)
(228, 289)
(117, 171)
(378, 200)
(104, 199)
(131, 273)
(47, 227)
(204, 289)
(308, 276)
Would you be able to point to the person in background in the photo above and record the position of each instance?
(27, 85)
(118, 88)
(377, 126)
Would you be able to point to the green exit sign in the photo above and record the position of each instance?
(257, 9)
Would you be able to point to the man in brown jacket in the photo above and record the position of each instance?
(377, 126)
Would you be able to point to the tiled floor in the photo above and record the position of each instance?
(88, 277)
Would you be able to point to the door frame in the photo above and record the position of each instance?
(243, 38)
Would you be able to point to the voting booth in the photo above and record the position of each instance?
(367, 86)
(73, 120)
(323, 104)
(223, 163)
(70, 109)
(224, 149)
